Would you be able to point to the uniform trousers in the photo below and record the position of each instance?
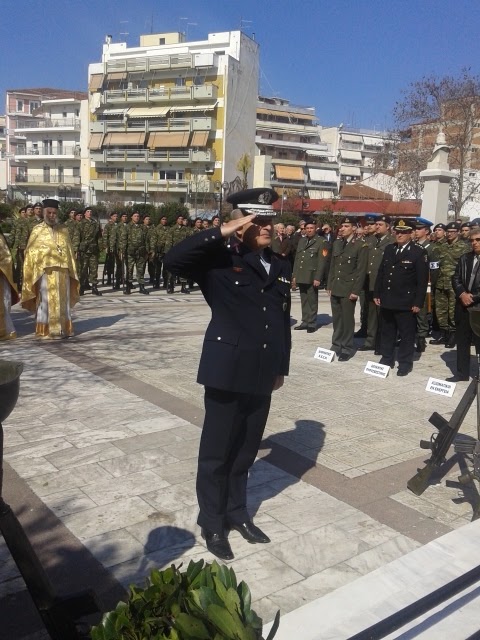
(445, 309)
(404, 323)
(309, 302)
(343, 318)
(136, 258)
(465, 336)
(373, 321)
(232, 432)
(88, 268)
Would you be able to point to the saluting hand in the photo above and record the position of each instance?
(231, 227)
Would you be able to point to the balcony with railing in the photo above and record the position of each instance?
(151, 63)
(153, 124)
(161, 94)
(42, 123)
(30, 153)
(52, 178)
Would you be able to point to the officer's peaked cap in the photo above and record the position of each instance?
(257, 201)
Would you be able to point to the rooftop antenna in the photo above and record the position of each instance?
(245, 23)
(151, 23)
(180, 24)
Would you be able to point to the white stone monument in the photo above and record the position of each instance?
(437, 177)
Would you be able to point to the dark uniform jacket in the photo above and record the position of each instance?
(375, 256)
(402, 278)
(247, 343)
(347, 268)
(310, 260)
(462, 275)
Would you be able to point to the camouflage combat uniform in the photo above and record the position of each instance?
(447, 255)
(87, 238)
(132, 242)
(177, 234)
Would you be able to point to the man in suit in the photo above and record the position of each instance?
(375, 255)
(400, 292)
(280, 241)
(246, 354)
(308, 272)
(345, 281)
(466, 284)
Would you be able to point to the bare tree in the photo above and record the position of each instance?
(244, 165)
(429, 105)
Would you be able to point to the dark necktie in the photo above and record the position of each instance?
(474, 272)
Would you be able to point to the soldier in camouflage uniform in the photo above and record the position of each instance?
(133, 245)
(89, 236)
(346, 279)
(464, 234)
(178, 233)
(16, 235)
(147, 221)
(109, 244)
(121, 241)
(447, 254)
(158, 238)
(70, 223)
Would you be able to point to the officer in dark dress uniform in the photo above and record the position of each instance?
(246, 354)
(400, 292)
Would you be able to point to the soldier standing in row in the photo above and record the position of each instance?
(134, 247)
(400, 293)
(370, 240)
(177, 234)
(109, 244)
(447, 254)
(308, 271)
(70, 223)
(375, 255)
(345, 281)
(147, 221)
(422, 238)
(158, 240)
(88, 237)
(15, 241)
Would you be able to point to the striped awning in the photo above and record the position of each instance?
(151, 112)
(127, 139)
(161, 140)
(95, 142)
(199, 139)
(288, 172)
(96, 81)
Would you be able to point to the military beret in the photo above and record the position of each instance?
(257, 201)
(452, 226)
(465, 225)
(50, 202)
(371, 218)
(402, 226)
(440, 225)
(422, 223)
(385, 219)
(88, 208)
(37, 204)
(475, 222)
(349, 220)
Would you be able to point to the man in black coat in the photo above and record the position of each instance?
(466, 284)
(400, 291)
(246, 354)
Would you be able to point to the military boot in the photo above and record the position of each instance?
(184, 288)
(441, 340)
(82, 291)
(95, 291)
(128, 289)
(421, 345)
(156, 284)
(143, 290)
(451, 340)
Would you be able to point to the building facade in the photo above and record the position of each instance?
(290, 155)
(359, 152)
(170, 119)
(45, 154)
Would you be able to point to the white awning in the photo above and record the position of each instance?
(322, 175)
(350, 171)
(350, 155)
(151, 112)
(372, 142)
(113, 112)
(195, 107)
(320, 153)
(351, 137)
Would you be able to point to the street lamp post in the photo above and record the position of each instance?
(225, 186)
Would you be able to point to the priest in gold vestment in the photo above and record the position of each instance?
(50, 281)
(8, 291)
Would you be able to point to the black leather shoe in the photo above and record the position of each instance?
(218, 544)
(344, 357)
(250, 532)
(311, 329)
(458, 378)
(365, 348)
(421, 345)
(95, 291)
(440, 340)
(451, 340)
(404, 371)
(387, 362)
(301, 327)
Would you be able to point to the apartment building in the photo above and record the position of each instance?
(358, 151)
(3, 159)
(290, 156)
(44, 144)
(170, 119)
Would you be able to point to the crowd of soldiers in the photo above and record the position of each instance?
(130, 245)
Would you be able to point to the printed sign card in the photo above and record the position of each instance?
(375, 369)
(324, 354)
(441, 387)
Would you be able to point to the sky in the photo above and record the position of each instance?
(350, 59)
